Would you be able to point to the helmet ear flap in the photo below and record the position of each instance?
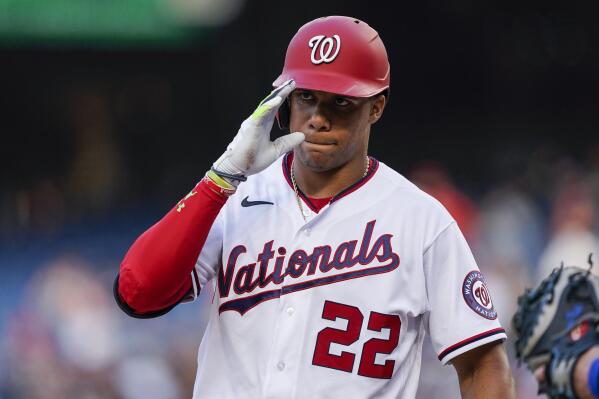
(283, 115)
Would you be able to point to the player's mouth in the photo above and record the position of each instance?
(318, 146)
(319, 141)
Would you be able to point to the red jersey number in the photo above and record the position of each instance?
(345, 361)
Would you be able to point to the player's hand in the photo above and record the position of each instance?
(251, 151)
(581, 373)
(551, 344)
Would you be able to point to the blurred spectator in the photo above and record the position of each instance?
(144, 377)
(433, 178)
(572, 224)
(65, 337)
(512, 229)
(69, 337)
(593, 180)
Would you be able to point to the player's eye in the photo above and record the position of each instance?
(305, 95)
(342, 101)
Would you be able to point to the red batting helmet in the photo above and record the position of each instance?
(339, 55)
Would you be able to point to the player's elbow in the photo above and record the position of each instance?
(131, 295)
(141, 296)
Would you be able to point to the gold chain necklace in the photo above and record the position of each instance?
(305, 212)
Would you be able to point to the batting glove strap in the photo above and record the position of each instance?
(229, 177)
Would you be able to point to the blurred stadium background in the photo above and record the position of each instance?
(112, 110)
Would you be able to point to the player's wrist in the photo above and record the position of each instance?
(225, 171)
(593, 378)
(219, 185)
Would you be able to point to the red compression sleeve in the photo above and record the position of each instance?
(156, 271)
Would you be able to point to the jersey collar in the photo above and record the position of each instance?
(372, 168)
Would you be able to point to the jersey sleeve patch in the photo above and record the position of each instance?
(476, 295)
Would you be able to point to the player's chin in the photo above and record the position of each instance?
(318, 157)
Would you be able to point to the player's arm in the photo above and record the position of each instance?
(156, 272)
(484, 372)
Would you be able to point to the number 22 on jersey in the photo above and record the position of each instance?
(345, 361)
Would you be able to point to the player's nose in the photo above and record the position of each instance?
(319, 120)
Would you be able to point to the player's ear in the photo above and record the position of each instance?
(377, 105)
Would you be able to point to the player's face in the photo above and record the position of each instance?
(336, 127)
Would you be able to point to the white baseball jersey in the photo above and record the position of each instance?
(338, 305)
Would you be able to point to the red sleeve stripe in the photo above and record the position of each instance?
(470, 340)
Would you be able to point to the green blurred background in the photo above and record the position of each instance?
(111, 23)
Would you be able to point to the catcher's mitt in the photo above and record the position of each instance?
(556, 323)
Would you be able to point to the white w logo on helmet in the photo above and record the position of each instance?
(323, 49)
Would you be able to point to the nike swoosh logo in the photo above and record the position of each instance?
(245, 202)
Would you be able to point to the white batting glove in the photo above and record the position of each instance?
(251, 151)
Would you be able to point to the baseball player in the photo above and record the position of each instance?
(328, 266)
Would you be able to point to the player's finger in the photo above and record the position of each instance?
(286, 143)
(539, 374)
(282, 91)
(272, 102)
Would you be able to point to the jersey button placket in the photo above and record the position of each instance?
(277, 382)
